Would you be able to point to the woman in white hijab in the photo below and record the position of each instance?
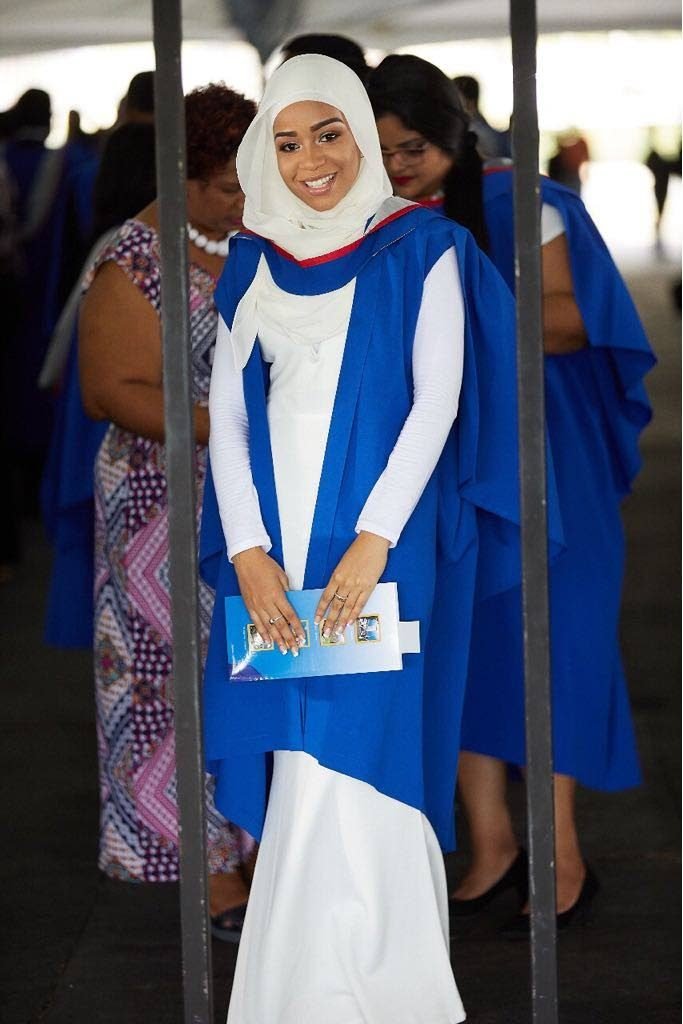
(335, 388)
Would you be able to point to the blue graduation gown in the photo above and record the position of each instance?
(398, 731)
(52, 258)
(596, 406)
(67, 500)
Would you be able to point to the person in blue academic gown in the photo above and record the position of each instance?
(52, 243)
(363, 429)
(596, 357)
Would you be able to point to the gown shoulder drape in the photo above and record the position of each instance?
(596, 408)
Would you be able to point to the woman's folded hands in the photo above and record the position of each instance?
(352, 582)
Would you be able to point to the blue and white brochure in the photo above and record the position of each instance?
(371, 644)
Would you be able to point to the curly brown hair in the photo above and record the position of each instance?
(216, 118)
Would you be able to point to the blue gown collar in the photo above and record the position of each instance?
(333, 270)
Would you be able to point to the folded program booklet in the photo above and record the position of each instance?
(374, 643)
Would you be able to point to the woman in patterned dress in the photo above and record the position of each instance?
(121, 379)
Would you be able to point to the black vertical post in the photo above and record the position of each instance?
(540, 810)
(180, 472)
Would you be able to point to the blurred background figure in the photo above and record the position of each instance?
(84, 150)
(338, 47)
(9, 278)
(25, 152)
(75, 132)
(137, 106)
(662, 169)
(121, 380)
(52, 214)
(491, 143)
(33, 175)
(125, 184)
(569, 157)
(50, 194)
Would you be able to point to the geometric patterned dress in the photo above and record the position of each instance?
(132, 627)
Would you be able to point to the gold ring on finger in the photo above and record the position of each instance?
(276, 619)
(342, 599)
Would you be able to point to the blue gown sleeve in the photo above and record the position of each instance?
(67, 500)
(485, 468)
(620, 352)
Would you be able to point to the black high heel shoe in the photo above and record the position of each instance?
(520, 925)
(516, 877)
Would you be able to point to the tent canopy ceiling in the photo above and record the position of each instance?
(29, 26)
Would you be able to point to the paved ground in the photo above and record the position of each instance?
(78, 949)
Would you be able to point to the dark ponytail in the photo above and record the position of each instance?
(463, 191)
(426, 101)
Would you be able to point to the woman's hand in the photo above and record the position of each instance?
(262, 585)
(352, 582)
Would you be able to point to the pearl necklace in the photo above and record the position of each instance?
(208, 244)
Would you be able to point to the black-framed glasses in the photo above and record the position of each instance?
(410, 154)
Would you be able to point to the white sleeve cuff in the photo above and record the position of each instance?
(261, 541)
(382, 531)
(552, 225)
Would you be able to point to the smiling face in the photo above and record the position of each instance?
(416, 167)
(317, 155)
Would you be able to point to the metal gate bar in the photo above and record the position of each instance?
(180, 472)
(530, 389)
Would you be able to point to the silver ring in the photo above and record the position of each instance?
(342, 599)
(277, 619)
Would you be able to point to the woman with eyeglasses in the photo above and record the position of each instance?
(437, 164)
(596, 356)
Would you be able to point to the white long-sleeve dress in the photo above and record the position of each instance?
(348, 914)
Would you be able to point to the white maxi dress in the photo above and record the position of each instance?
(347, 921)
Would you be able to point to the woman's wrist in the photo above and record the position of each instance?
(375, 538)
(246, 555)
(257, 542)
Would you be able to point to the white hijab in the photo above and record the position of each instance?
(270, 209)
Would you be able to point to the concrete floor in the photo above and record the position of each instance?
(78, 949)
